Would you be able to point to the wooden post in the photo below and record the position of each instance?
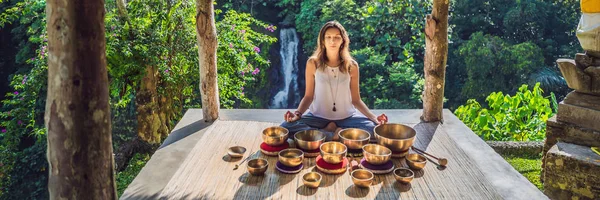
(207, 58)
(77, 114)
(436, 55)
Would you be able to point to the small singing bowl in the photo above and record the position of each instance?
(403, 175)
(416, 161)
(275, 135)
(309, 139)
(312, 179)
(354, 138)
(333, 152)
(236, 151)
(257, 166)
(376, 154)
(362, 178)
(291, 157)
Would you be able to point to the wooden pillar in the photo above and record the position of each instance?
(436, 55)
(207, 58)
(77, 113)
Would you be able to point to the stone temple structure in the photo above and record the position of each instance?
(570, 168)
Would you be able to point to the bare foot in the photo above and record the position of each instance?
(336, 134)
(337, 130)
(330, 127)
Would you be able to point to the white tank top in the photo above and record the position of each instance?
(332, 86)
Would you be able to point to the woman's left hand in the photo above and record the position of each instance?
(382, 119)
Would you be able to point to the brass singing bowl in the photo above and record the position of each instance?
(416, 161)
(396, 137)
(257, 166)
(362, 177)
(291, 157)
(275, 135)
(376, 154)
(354, 138)
(312, 179)
(403, 175)
(309, 139)
(333, 152)
(236, 151)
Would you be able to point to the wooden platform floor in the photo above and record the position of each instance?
(191, 165)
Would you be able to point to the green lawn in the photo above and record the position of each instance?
(529, 166)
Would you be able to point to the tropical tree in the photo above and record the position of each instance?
(80, 154)
(151, 59)
(23, 171)
(495, 65)
(547, 27)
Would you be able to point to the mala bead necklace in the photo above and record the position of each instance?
(334, 97)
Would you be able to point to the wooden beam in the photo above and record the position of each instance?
(207, 58)
(436, 55)
(77, 113)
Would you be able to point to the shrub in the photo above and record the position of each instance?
(521, 117)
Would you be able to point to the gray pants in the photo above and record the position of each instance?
(311, 122)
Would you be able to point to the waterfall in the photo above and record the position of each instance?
(289, 67)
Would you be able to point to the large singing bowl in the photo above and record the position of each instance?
(396, 137)
(309, 140)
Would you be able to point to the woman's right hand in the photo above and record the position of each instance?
(382, 119)
(290, 117)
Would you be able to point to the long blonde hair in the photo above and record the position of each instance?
(320, 55)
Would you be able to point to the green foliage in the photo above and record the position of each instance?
(394, 28)
(24, 116)
(494, 65)
(241, 56)
(124, 124)
(30, 178)
(156, 34)
(22, 134)
(124, 178)
(291, 8)
(28, 16)
(550, 80)
(478, 15)
(521, 117)
(393, 86)
(11, 14)
(309, 12)
(554, 103)
(526, 21)
(244, 6)
(548, 24)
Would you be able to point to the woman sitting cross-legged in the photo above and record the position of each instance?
(332, 89)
